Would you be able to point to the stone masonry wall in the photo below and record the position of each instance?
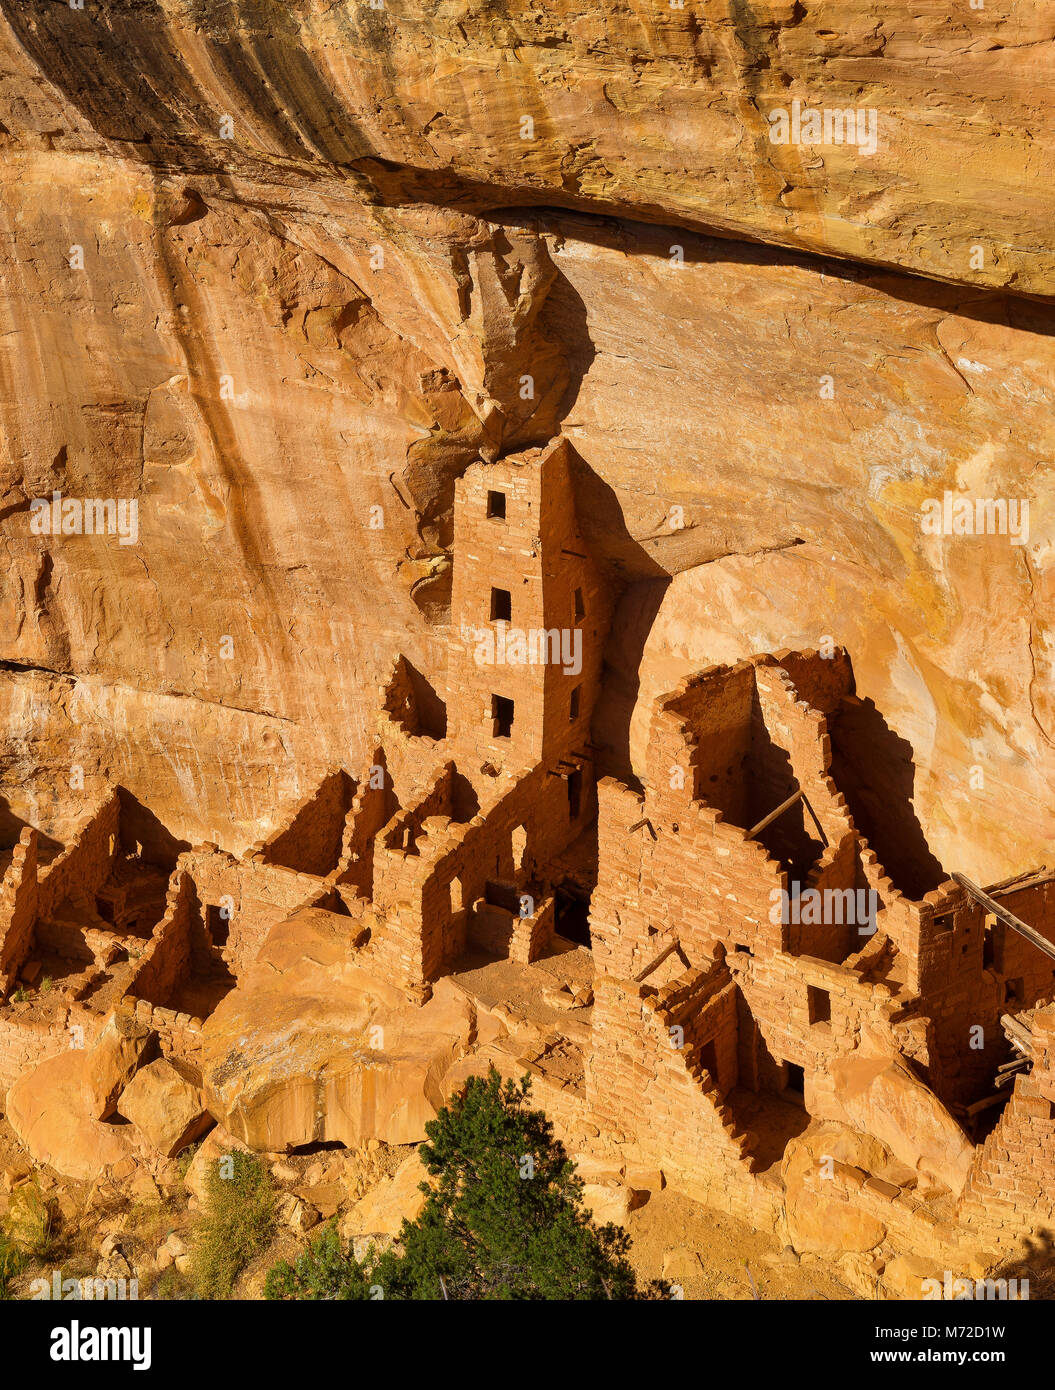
(535, 553)
(86, 863)
(638, 1084)
(311, 841)
(18, 909)
(166, 962)
(372, 807)
(682, 874)
(425, 896)
(1010, 1189)
(258, 895)
(179, 1034)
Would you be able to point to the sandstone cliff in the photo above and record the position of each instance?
(280, 272)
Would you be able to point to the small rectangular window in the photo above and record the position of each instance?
(795, 1085)
(580, 607)
(709, 1059)
(218, 925)
(501, 605)
(502, 714)
(574, 795)
(819, 1003)
(496, 505)
(575, 701)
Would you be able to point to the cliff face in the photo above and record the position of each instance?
(280, 272)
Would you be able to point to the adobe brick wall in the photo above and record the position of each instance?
(26, 1039)
(371, 809)
(179, 1034)
(876, 773)
(1010, 1190)
(25, 1042)
(424, 896)
(802, 733)
(703, 729)
(1014, 958)
(1011, 1187)
(671, 869)
(822, 682)
(699, 880)
(837, 870)
(532, 935)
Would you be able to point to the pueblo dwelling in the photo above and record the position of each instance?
(745, 976)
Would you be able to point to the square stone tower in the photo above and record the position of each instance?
(529, 616)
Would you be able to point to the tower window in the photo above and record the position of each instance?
(496, 505)
(501, 605)
(576, 695)
(502, 714)
(580, 607)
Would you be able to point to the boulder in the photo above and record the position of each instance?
(57, 1108)
(821, 1218)
(109, 1064)
(310, 1047)
(167, 1111)
(611, 1201)
(304, 1217)
(298, 1215)
(383, 1209)
(881, 1096)
(904, 1277)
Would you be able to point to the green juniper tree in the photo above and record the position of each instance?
(503, 1219)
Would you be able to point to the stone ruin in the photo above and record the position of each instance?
(744, 976)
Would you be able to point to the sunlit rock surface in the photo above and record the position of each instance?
(287, 344)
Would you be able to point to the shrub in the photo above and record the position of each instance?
(171, 1286)
(321, 1271)
(12, 1263)
(185, 1158)
(237, 1223)
(31, 1221)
